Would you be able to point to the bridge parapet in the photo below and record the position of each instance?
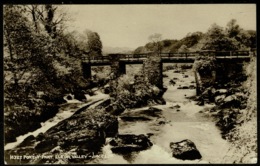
(180, 56)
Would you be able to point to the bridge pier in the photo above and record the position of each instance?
(198, 83)
(86, 70)
(122, 68)
(152, 68)
(118, 68)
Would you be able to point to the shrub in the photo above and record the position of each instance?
(132, 91)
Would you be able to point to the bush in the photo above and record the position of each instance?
(133, 91)
(204, 65)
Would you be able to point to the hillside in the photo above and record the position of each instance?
(123, 50)
(198, 40)
(192, 40)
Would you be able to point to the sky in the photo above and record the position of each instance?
(131, 25)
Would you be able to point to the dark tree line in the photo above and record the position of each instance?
(42, 61)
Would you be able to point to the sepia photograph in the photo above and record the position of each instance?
(129, 84)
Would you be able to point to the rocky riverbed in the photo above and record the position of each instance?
(180, 119)
(159, 134)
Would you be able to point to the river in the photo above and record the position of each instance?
(186, 122)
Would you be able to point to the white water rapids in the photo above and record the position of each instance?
(66, 110)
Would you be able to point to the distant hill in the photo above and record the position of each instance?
(191, 42)
(123, 50)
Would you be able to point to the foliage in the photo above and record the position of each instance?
(243, 142)
(39, 57)
(155, 45)
(183, 48)
(237, 118)
(231, 37)
(133, 91)
(94, 43)
(204, 65)
(216, 39)
(101, 75)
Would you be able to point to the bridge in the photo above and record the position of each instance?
(181, 57)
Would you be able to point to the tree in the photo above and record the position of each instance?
(216, 39)
(48, 16)
(18, 42)
(183, 48)
(156, 44)
(233, 29)
(94, 43)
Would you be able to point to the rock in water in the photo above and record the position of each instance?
(80, 95)
(69, 97)
(185, 150)
(106, 89)
(128, 143)
(201, 102)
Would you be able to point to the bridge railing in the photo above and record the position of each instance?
(231, 54)
(183, 55)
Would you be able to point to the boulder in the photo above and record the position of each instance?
(171, 82)
(107, 89)
(141, 115)
(28, 141)
(115, 108)
(185, 150)
(46, 145)
(165, 75)
(192, 87)
(176, 106)
(80, 95)
(231, 101)
(128, 143)
(221, 92)
(69, 97)
(160, 101)
(200, 102)
(220, 99)
(183, 87)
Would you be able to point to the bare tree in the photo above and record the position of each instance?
(155, 39)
